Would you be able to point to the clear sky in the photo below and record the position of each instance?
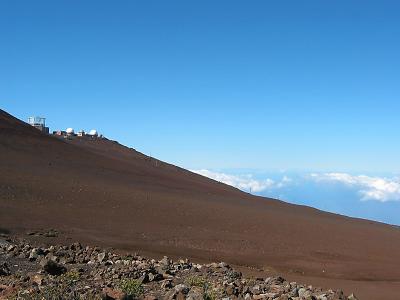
(214, 84)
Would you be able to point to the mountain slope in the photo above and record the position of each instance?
(101, 192)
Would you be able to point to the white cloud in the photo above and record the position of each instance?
(243, 182)
(370, 188)
(285, 181)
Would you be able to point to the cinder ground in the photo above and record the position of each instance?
(74, 271)
(100, 192)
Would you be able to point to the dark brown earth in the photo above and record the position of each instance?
(100, 192)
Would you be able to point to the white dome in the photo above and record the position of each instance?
(93, 132)
(70, 130)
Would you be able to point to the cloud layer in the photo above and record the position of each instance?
(366, 187)
(243, 182)
(370, 188)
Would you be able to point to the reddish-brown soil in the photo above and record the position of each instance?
(100, 192)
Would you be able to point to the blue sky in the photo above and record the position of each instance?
(310, 86)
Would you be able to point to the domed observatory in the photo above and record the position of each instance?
(70, 131)
(93, 133)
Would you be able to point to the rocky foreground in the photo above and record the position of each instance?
(81, 272)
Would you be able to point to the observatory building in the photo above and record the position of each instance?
(39, 123)
(93, 133)
(70, 133)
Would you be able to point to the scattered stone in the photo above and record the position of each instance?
(101, 257)
(4, 270)
(94, 273)
(113, 294)
(166, 284)
(181, 288)
(6, 290)
(53, 268)
(10, 248)
(195, 293)
(51, 233)
(34, 254)
(144, 278)
(155, 277)
(4, 243)
(38, 279)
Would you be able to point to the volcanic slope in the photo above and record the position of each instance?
(100, 192)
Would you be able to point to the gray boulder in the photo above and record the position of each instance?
(53, 268)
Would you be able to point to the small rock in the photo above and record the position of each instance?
(4, 244)
(144, 278)
(38, 279)
(51, 233)
(4, 270)
(155, 277)
(256, 290)
(230, 290)
(33, 255)
(303, 292)
(195, 293)
(6, 291)
(181, 288)
(54, 268)
(165, 262)
(101, 257)
(111, 294)
(166, 284)
(260, 296)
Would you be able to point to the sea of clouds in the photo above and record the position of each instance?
(359, 195)
(368, 187)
